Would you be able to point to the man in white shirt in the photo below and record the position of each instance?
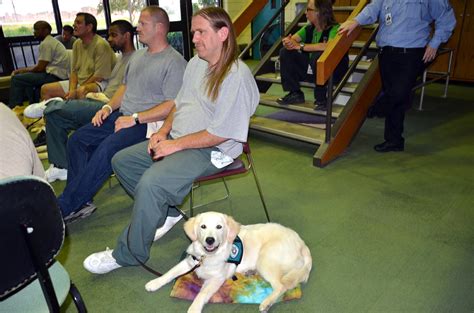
(52, 66)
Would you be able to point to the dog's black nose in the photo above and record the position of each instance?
(210, 240)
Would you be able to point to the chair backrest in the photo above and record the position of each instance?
(31, 230)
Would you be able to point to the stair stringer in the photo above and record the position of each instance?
(351, 118)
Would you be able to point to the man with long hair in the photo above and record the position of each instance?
(304, 48)
(208, 124)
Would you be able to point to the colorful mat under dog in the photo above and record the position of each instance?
(246, 289)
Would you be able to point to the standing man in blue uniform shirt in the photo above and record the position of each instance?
(405, 45)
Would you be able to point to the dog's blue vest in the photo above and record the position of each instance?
(237, 252)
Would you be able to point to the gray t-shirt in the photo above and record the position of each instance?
(53, 51)
(152, 79)
(66, 44)
(111, 85)
(227, 117)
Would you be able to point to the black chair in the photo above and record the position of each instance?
(31, 236)
(235, 168)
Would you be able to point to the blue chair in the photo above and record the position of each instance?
(31, 236)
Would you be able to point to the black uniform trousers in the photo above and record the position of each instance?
(399, 68)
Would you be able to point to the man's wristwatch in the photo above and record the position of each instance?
(301, 47)
(135, 117)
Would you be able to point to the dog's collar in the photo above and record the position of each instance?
(235, 257)
(237, 252)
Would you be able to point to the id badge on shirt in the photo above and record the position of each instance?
(388, 19)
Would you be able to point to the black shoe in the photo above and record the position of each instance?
(320, 105)
(293, 97)
(40, 140)
(375, 111)
(388, 146)
(85, 211)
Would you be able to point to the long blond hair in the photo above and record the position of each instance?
(219, 18)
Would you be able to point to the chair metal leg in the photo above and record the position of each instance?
(422, 95)
(252, 167)
(41, 270)
(77, 298)
(191, 197)
(446, 85)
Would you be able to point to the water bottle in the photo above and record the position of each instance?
(277, 68)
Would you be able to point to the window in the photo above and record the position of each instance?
(69, 9)
(199, 4)
(173, 8)
(176, 41)
(126, 10)
(17, 17)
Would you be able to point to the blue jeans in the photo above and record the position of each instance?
(61, 118)
(90, 151)
(28, 86)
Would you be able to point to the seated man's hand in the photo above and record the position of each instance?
(154, 140)
(18, 71)
(100, 116)
(70, 95)
(81, 92)
(164, 148)
(124, 122)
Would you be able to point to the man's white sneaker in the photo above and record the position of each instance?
(35, 110)
(53, 173)
(169, 223)
(101, 262)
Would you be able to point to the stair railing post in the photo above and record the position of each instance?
(329, 109)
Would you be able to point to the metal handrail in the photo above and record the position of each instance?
(265, 28)
(350, 70)
(355, 62)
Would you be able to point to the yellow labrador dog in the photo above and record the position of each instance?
(277, 253)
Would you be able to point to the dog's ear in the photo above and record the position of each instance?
(189, 229)
(233, 229)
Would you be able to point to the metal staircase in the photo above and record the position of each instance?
(343, 120)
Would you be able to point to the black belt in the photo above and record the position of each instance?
(400, 50)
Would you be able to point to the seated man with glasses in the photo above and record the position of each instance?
(300, 52)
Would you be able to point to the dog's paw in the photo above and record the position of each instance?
(264, 306)
(153, 285)
(194, 309)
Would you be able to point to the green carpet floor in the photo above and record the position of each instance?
(388, 232)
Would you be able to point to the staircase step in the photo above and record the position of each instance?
(289, 130)
(362, 65)
(370, 26)
(343, 8)
(348, 88)
(307, 107)
(359, 44)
